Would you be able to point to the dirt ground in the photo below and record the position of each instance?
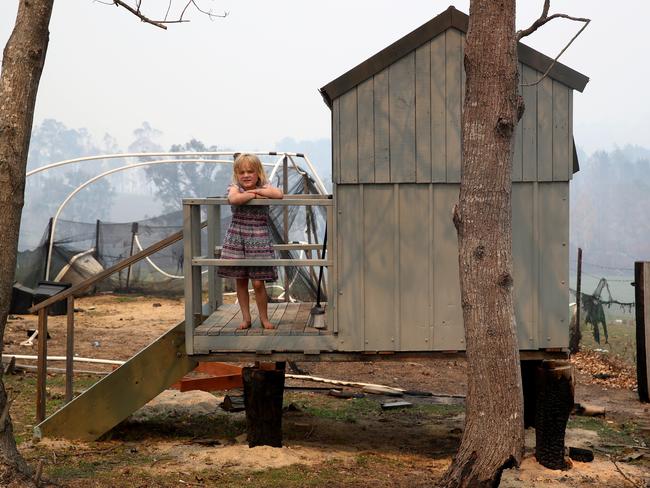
(185, 439)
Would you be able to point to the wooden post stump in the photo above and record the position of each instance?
(529, 386)
(554, 404)
(263, 391)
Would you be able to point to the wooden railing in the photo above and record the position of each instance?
(194, 258)
(68, 294)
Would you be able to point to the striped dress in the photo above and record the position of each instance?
(248, 237)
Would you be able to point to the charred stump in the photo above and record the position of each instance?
(554, 404)
(263, 392)
(529, 386)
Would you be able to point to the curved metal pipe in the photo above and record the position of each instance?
(109, 172)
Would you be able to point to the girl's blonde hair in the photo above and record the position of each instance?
(255, 163)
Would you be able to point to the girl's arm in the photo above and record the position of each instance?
(235, 197)
(268, 192)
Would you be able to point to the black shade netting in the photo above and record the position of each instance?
(81, 250)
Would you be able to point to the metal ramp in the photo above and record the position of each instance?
(112, 399)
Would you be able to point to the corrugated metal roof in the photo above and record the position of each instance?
(450, 18)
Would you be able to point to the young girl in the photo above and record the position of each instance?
(249, 235)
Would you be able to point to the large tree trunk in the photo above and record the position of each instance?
(22, 64)
(493, 438)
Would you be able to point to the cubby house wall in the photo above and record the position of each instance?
(396, 168)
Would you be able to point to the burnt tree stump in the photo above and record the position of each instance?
(529, 386)
(263, 391)
(554, 404)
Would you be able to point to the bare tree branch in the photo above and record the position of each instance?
(548, 70)
(209, 13)
(137, 13)
(542, 20)
(136, 10)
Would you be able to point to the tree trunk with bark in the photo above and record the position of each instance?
(493, 438)
(22, 64)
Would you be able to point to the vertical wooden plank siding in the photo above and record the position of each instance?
(560, 132)
(348, 137)
(518, 152)
(381, 115)
(545, 130)
(414, 270)
(529, 126)
(423, 114)
(453, 103)
(378, 248)
(448, 320)
(438, 110)
(570, 134)
(525, 285)
(336, 141)
(365, 111)
(553, 264)
(350, 257)
(401, 100)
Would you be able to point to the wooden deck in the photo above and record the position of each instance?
(288, 319)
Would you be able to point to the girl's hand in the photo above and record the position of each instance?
(268, 192)
(256, 193)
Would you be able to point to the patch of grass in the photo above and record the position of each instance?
(22, 387)
(98, 465)
(610, 433)
(354, 409)
(123, 299)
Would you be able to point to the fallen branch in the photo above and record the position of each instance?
(626, 477)
(359, 384)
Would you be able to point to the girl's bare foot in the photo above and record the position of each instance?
(267, 324)
(245, 324)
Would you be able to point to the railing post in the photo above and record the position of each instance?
(134, 231)
(191, 248)
(41, 367)
(69, 351)
(330, 316)
(215, 290)
(285, 218)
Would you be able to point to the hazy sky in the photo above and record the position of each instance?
(251, 79)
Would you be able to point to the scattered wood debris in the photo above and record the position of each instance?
(395, 404)
(588, 410)
(580, 454)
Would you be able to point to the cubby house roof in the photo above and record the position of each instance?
(450, 18)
